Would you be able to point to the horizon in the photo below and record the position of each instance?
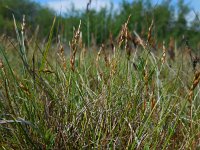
(61, 6)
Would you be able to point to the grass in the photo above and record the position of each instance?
(96, 100)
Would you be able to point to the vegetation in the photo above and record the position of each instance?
(135, 92)
(170, 20)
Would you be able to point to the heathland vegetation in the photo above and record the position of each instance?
(126, 80)
(170, 20)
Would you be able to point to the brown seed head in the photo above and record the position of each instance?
(74, 46)
(1, 64)
(124, 34)
(196, 81)
(150, 32)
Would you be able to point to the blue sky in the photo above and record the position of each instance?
(192, 3)
(62, 5)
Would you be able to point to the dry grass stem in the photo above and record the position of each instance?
(1, 64)
(61, 53)
(146, 88)
(163, 59)
(74, 46)
(195, 82)
(124, 34)
(149, 36)
(112, 44)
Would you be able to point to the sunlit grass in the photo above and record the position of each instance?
(96, 99)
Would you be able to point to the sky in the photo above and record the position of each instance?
(61, 6)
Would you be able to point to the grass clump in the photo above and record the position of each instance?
(123, 98)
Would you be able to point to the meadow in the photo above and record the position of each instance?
(116, 96)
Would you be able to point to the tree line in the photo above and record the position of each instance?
(170, 21)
